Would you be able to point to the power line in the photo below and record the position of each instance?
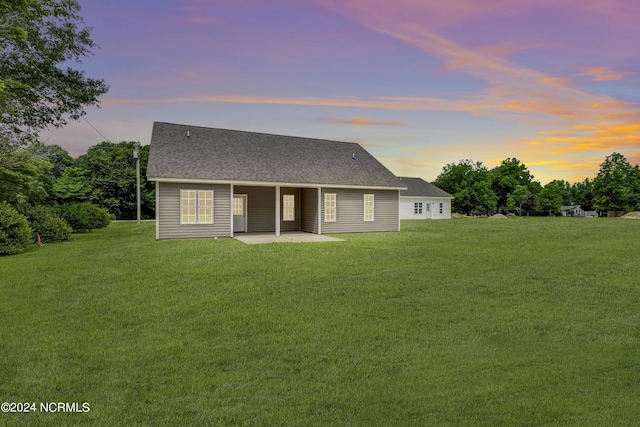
(94, 128)
(46, 77)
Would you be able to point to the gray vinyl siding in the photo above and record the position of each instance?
(295, 224)
(309, 214)
(261, 211)
(168, 199)
(261, 208)
(350, 211)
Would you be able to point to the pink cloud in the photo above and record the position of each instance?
(200, 16)
(603, 74)
(360, 121)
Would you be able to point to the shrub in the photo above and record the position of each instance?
(54, 229)
(100, 216)
(46, 223)
(84, 216)
(77, 218)
(15, 233)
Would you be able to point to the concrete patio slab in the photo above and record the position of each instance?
(255, 239)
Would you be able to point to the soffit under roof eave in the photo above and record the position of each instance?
(269, 184)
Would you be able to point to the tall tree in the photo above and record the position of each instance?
(617, 185)
(507, 176)
(28, 175)
(73, 185)
(10, 30)
(550, 199)
(43, 189)
(112, 176)
(468, 183)
(567, 192)
(40, 40)
(20, 171)
(519, 196)
(56, 155)
(583, 194)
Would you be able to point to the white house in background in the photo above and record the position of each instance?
(573, 210)
(422, 200)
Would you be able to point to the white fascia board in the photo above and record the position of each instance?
(426, 197)
(268, 184)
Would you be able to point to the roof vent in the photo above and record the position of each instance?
(353, 156)
(188, 134)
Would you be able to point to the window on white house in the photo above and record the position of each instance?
(368, 207)
(441, 207)
(330, 207)
(417, 208)
(196, 207)
(288, 207)
(428, 206)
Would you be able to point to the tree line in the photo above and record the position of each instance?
(45, 194)
(105, 176)
(510, 186)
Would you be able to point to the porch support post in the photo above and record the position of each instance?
(299, 216)
(231, 210)
(277, 210)
(319, 210)
(398, 210)
(157, 210)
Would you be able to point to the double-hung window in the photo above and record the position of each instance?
(330, 207)
(196, 207)
(288, 207)
(417, 208)
(368, 207)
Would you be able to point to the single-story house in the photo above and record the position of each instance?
(576, 210)
(423, 200)
(573, 210)
(217, 183)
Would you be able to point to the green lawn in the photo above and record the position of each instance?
(525, 321)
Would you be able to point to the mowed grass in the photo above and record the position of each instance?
(525, 321)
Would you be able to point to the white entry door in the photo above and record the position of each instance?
(240, 213)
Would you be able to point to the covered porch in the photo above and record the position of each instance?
(274, 210)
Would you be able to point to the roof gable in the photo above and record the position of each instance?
(199, 153)
(418, 187)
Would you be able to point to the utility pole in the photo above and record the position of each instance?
(136, 155)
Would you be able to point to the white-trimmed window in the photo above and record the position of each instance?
(428, 207)
(368, 207)
(330, 207)
(441, 205)
(288, 207)
(417, 208)
(196, 207)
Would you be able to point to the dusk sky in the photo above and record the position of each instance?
(419, 83)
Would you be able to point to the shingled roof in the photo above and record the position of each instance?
(418, 187)
(199, 153)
